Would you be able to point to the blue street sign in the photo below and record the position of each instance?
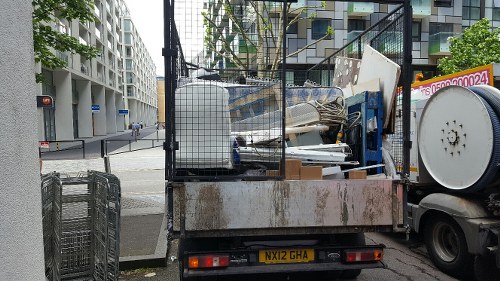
(123, 111)
(96, 108)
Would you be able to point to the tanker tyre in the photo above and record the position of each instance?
(485, 268)
(356, 239)
(447, 247)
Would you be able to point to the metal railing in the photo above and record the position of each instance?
(115, 147)
(385, 36)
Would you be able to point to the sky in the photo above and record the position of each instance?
(147, 16)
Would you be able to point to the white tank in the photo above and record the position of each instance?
(459, 137)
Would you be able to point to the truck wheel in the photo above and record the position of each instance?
(485, 268)
(356, 239)
(447, 247)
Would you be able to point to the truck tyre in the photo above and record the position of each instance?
(356, 239)
(485, 268)
(447, 247)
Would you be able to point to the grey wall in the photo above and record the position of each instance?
(21, 245)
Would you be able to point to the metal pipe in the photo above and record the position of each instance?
(83, 148)
(283, 91)
(407, 79)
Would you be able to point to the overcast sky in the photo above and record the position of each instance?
(147, 16)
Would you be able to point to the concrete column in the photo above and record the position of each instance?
(120, 119)
(111, 112)
(133, 111)
(21, 243)
(128, 119)
(99, 117)
(84, 109)
(63, 105)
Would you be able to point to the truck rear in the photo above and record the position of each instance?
(238, 206)
(256, 164)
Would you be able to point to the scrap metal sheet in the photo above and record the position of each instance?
(276, 204)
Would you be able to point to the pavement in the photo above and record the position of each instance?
(140, 166)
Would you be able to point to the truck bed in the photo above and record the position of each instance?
(206, 209)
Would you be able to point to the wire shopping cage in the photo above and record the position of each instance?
(81, 223)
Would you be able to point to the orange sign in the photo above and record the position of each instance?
(482, 75)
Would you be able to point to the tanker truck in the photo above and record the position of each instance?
(453, 199)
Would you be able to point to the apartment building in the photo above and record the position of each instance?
(434, 21)
(91, 96)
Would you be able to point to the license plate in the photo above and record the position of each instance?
(286, 256)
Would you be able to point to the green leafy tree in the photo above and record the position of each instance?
(46, 14)
(255, 25)
(478, 45)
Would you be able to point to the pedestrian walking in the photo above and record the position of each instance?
(141, 124)
(137, 129)
(157, 126)
(133, 128)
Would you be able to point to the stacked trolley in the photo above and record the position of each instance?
(81, 223)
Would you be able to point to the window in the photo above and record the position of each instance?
(128, 39)
(128, 64)
(443, 3)
(127, 24)
(320, 28)
(496, 10)
(438, 27)
(416, 28)
(471, 10)
(356, 25)
(292, 29)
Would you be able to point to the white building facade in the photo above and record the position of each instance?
(90, 95)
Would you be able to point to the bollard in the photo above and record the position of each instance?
(107, 166)
(102, 148)
(83, 148)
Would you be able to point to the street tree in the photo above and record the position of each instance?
(478, 45)
(242, 33)
(47, 40)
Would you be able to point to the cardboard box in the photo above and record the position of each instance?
(311, 172)
(272, 173)
(292, 169)
(357, 175)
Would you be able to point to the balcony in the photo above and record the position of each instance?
(360, 8)
(63, 56)
(98, 34)
(299, 4)
(389, 44)
(439, 44)
(83, 41)
(244, 47)
(421, 8)
(354, 48)
(97, 12)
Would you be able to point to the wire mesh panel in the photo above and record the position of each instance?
(342, 68)
(81, 219)
(51, 221)
(239, 110)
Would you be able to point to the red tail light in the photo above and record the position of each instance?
(208, 261)
(363, 255)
